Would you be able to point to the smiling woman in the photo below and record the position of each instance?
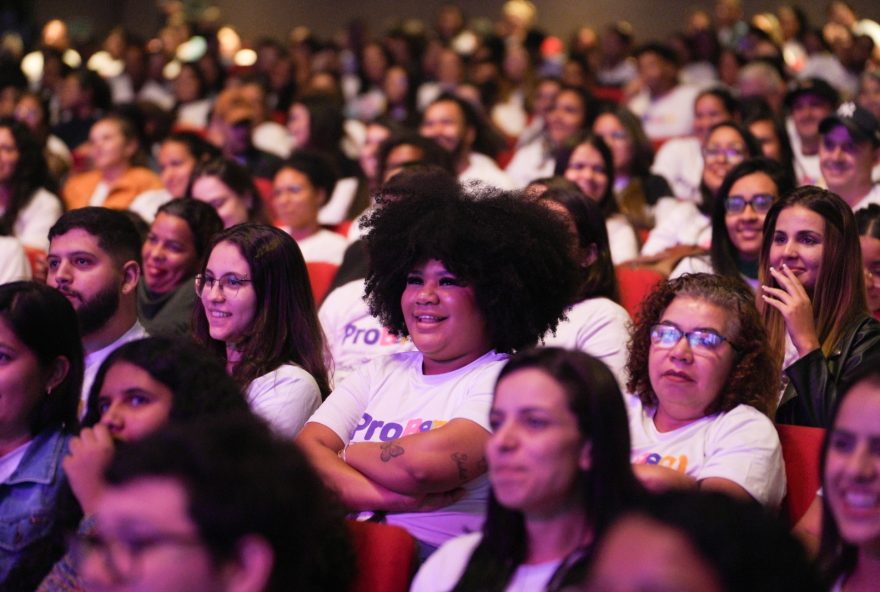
(468, 279)
(814, 306)
(176, 243)
(703, 383)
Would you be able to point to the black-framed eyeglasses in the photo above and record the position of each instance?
(229, 284)
(761, 203)
(667, 336)
(120, 558)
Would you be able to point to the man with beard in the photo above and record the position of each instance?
(849, 150)
(94, 260)
(455, 125)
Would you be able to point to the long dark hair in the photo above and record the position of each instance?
(607, 488)
(607, 202)
(285, 327)
(599, 279)
(31, 173)
(707, 198)
(722, 253)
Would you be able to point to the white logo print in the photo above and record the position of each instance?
(847, 110)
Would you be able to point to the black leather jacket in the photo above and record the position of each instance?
(809, 397)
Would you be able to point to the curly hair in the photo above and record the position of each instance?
(753, 378)
(517, 256)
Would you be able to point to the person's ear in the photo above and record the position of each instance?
(57, 372)
(585, 459)
(251, 568)
(322, 197)
(131, 274)
(590, 255)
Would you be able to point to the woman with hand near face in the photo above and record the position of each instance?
(744, 198)
(559, 474)
(851, 485)
(140, 387)
(256, 312)
(814, 307)
(175, 245)
(468, 279)
(702, 381)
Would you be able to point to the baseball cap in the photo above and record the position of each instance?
(861, 123)
(815, 86)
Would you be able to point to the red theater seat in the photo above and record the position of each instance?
(386, 557)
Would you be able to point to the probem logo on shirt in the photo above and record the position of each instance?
(369, 336)
(378, 430)
(677, 463)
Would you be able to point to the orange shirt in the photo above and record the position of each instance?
(79, 188)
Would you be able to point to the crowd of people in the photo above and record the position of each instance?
(253, 293)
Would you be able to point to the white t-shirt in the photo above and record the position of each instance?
(354, 336)
(390, 398)
(680, 162)
(443, 569)
(36, 218)
(740, 445)
(622, 240)
(681, 224)
(334, 211)
(95, 359)
(872, 197)
(806, 168)
(324, 246)
(14, 264)
(598, 326)
(285, 398)
(532, 161)
(483, 169)
(668, 116)
(703, 264)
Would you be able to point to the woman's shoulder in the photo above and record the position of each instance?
(444, 568)
(143, 177)
(598, 307)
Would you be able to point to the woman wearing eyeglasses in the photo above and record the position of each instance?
(745, 197)
(256, 311)
(688, 223)
(702, 382)
(814, 306)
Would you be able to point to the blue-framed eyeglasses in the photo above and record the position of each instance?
(667, 336)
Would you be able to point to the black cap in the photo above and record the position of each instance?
(815, 86)
(861, 123)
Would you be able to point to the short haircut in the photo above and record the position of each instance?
(241, 481)
(516, 255)
(661, 50)
(45, 322)
(200, 217)
(868, 221)
(198, 381)
(116, 233)
(432, 152)
(753, 379)
(317, 166)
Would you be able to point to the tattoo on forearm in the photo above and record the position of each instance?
(390, 450)
(459, 458)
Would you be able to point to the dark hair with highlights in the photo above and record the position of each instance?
(516, 255)
(606, 489)
(753, 379)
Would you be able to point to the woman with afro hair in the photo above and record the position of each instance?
(469, 279)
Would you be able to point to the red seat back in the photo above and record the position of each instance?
(321, 275)
(635, 284)
(801, 448)
(385, 555)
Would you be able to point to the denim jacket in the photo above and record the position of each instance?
(28, 498)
